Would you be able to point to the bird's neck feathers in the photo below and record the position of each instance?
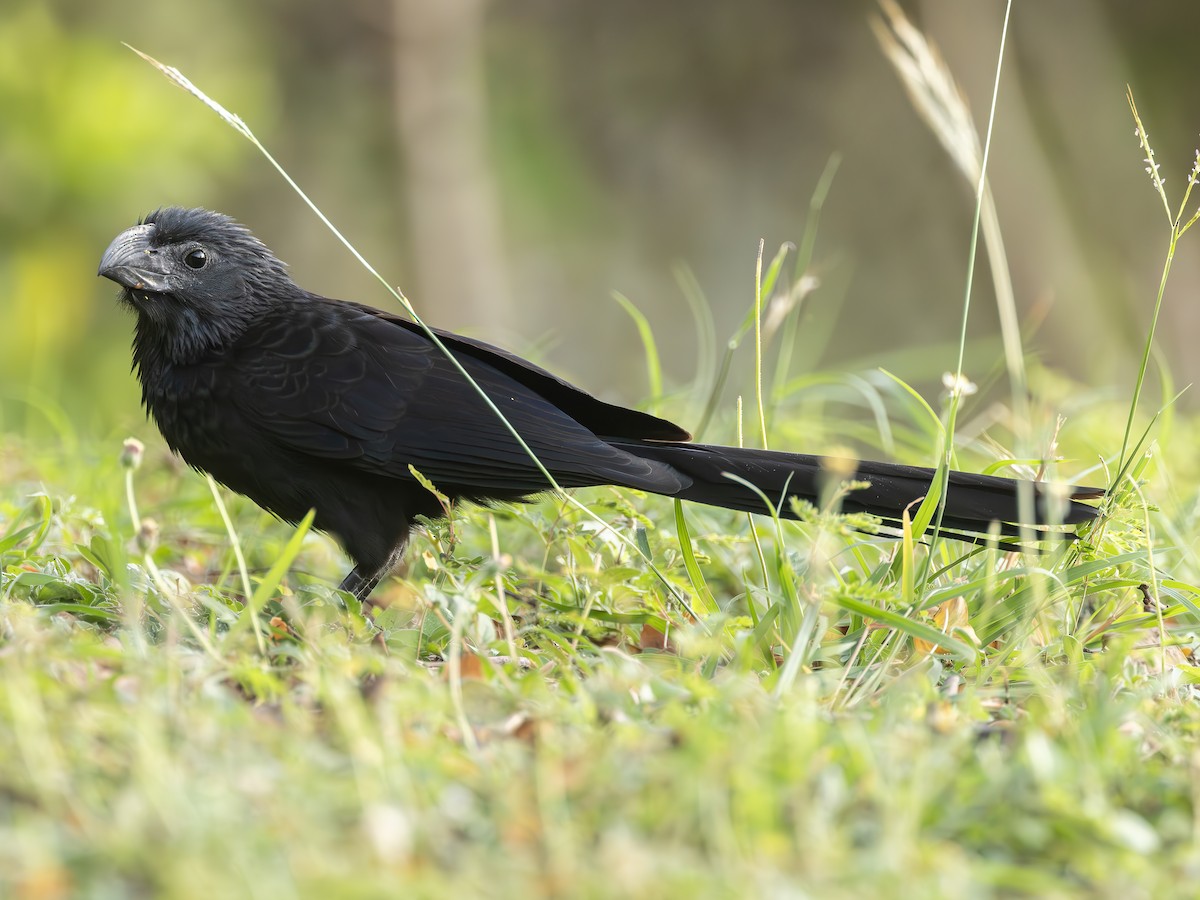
(174, 332)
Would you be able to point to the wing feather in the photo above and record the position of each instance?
(339, 382)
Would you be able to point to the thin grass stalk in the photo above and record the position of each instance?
(243, 570)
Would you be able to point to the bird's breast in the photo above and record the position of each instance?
(193, 413)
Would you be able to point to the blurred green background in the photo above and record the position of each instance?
(509, 164)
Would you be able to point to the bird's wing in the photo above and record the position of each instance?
(602, 418)
(337, 382)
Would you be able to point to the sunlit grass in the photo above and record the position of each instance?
(820, 726)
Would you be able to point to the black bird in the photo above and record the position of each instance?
(301, 402)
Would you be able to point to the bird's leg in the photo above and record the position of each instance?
(360, 583)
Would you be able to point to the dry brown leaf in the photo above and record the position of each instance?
(953, 619)
(470, 666)
(653, 639)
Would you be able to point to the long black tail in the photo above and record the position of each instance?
(975, 504)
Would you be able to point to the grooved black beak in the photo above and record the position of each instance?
(131, 262)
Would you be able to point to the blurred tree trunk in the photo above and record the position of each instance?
(441, 112)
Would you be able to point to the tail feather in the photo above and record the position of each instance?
(975, 504)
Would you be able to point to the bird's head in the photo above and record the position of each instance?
(196, 278)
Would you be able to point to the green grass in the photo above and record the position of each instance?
(799, 737)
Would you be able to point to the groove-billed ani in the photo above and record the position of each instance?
(300, 402)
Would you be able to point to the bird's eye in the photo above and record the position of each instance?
(196, 258)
